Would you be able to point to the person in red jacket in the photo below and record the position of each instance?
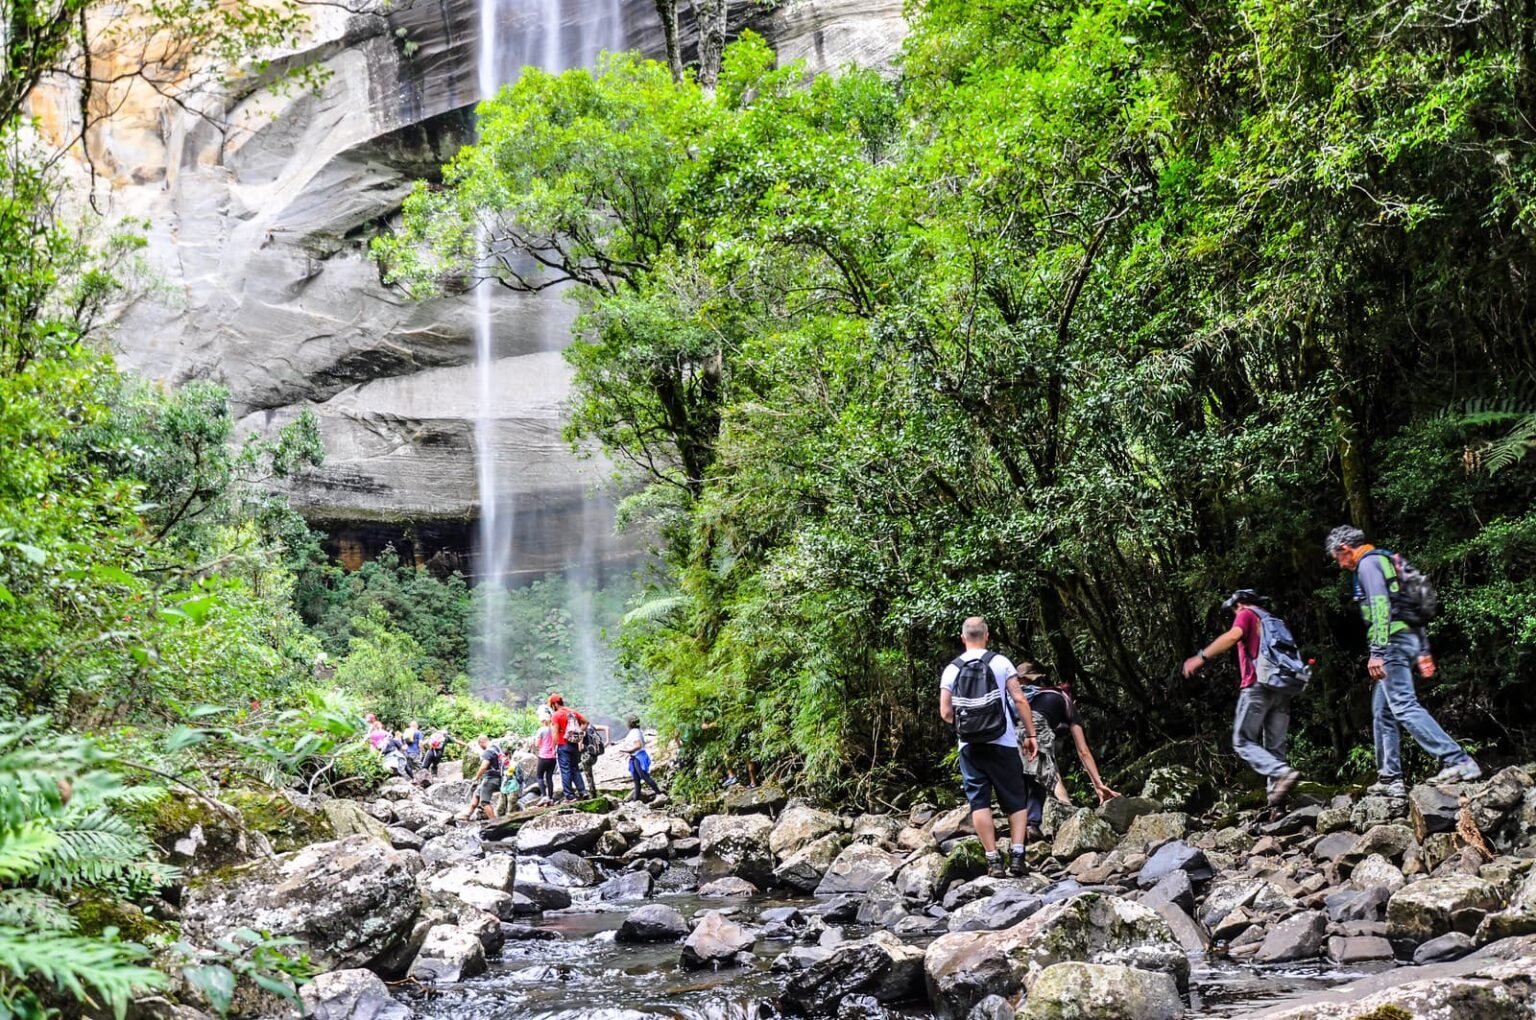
(569, 725)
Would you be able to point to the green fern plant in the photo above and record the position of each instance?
(59, 840)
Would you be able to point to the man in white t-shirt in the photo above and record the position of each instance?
(993, 765)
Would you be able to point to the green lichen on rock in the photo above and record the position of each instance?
(287, 825)
(1386, 1013)
(596, 806)
(966, 861)
(96, 914)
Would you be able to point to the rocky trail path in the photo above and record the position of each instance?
(1348, 908)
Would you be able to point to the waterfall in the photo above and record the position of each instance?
(555, 35)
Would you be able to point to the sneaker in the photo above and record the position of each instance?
(1464, 772)
(1016, 866)
(1034, 835)
(1387, 788)
(1283, 785)
(996, 868)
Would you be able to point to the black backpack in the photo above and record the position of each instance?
(978, 703)
(1414, 599)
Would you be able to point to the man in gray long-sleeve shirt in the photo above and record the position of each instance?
(1396, 646)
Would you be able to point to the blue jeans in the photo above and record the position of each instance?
(1395, 704)
(1259, 729)
(571, 783)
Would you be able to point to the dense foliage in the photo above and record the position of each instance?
(1090, 314)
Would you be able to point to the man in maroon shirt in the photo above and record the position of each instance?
(568, 724)
(1263, 712)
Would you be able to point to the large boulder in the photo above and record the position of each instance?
(1172, 786)
(1094, 991)
(859, 868)
(1519, 918)
(1435, 906)
(349, 818)
(1120, 812)
(715, 941)
(1171, 857)
(1500, 990)
(348, 902)
(1003, 909)
(573, 831)
(754, 800)
(961, 968)
(456, 846)
(803, 869)
(918, 879)
(881, 966)
(953, 824)
(799, 825)
(1085, 831)
(1375, 871)
(654, 922)
(1149, 831)
(353, 994)
(736, 845)
(1432, 809)
(1299, 937)
(1495, 805)
(448, 954)
(416, 815)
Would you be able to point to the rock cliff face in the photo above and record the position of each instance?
(259, 205)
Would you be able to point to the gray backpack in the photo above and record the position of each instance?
(1279, 662)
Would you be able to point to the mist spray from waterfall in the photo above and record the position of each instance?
(555, 35)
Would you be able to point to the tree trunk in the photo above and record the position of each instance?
(711, 41)
(666, 10)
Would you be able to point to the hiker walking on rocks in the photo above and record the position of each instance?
(1396, 602)
(594, 741)
(972, 693)
(568, 725)
(633, 745)
(544, 750)
(1271, 674)
(486, 782)
(1056, 721)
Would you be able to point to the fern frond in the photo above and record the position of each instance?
(85, 968)
(24, 849)
(94, 847)
(29, 908)
(656, 610)
(1501, 453)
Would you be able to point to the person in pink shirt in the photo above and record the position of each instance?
(1263, 712)
(544, 751)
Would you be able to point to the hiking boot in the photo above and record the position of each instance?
(1387, 788)
(1016, 867)
(996, 868)
(1283, 785)
(1034, 835)
(1464, 772)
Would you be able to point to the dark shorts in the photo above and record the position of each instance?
(988, 767)
(490, 786)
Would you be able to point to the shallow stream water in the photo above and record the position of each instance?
(581, 973)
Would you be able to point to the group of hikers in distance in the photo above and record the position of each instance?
(565, 740)
(989, 701)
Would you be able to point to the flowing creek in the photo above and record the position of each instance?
(576, 971)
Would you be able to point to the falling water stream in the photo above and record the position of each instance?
(555, 35)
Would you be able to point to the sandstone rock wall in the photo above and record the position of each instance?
(259, 204)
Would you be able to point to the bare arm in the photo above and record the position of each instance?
(1220, 646)
(1080, 739)
(946, 706)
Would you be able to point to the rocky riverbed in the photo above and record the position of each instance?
(1347, 907)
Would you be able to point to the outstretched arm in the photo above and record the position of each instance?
(1220, 646)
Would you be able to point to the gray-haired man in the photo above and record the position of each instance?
(1396, 647)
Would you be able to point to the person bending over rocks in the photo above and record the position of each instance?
(1056, 721)
(1263, 718)
(436, 744)
(1392, 597)
(972, 690)
(487, 780)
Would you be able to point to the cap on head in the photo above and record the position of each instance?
(1344, 536)
(1032, 672)
(1244, 596)
(556, 701)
